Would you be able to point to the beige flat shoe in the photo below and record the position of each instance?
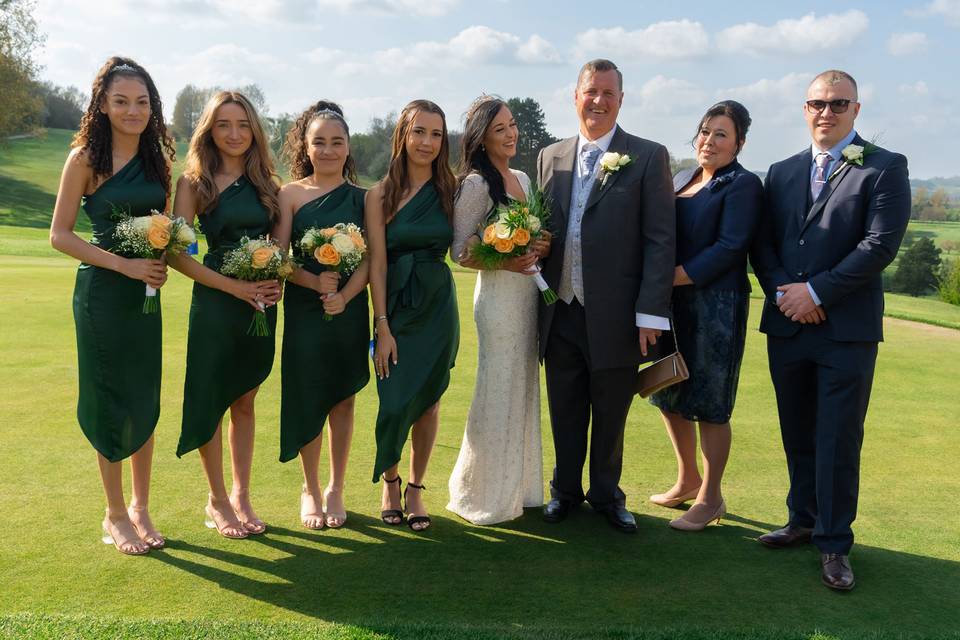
(686, 523)
(662, 499)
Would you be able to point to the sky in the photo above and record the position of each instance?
(677, 58)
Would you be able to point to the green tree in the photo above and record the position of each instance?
(371, 150)
(187, 110)
(533, 134)
(921, 200)
(20, 104)
(950, 281)
(916, 272)
(679, 164)
(62, 106)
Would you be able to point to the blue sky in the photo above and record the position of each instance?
(677, 58)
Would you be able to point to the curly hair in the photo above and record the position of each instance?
(473, 156)
(294, 152)
(203, 157)
(397, 181)
(95, 136)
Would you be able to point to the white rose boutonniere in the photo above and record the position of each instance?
(853, 154)
(611, 162)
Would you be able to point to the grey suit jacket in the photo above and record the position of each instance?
(628, 241)
(840, 244)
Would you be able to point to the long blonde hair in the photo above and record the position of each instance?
(203, 157)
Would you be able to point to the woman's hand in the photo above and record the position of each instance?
(152, 272)
(385, 351)
(334, 303)
(541, 246)
(327, 282)
(257, 294)
(521, 264)
(680, 277)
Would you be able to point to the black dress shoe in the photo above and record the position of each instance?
(556, 510)
(836, 571)
(621, 519)
(789, 536)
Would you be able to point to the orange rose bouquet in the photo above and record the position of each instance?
(338, 248)
(253, 261)
(509, 232)
(151, 236)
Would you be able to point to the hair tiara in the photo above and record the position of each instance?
(123, 67)
(329, 112)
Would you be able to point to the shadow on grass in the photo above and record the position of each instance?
(573, 578)
(29, 205)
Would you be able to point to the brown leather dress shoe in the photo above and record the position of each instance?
(788, 536)
(836, 571)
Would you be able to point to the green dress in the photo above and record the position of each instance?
(422, 311)
(118, 346)
(223, 362)
(322, 362)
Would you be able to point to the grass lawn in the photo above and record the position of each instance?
(524, 579)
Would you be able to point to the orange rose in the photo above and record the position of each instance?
(158, 220)
(158, 237)
(326, 254)
(358, 240)
(328, 233)
(503, 245)
(490, 234)
(261, 257)
(521, 237)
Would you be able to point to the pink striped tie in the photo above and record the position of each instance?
(820, 176)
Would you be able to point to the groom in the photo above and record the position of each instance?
(836, 213)
(612, 266)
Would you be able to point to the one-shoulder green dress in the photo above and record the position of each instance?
(322, 362)
(223, 362)
(422, 312)
(118, 346)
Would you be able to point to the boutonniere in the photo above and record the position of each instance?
(853, 154)
(611, 162)
(719, 181)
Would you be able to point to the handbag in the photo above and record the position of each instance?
(664, 372)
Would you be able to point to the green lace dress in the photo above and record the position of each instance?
(422, 311)
(322, 362)
(223, 362)
(118, 346)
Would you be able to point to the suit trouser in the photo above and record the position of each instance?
(575, 393)
(823, 389)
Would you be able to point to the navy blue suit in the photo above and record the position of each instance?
(823, 374)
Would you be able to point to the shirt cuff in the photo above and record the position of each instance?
(813, 294)
(646, 321)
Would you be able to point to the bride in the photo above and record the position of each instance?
(499, 470)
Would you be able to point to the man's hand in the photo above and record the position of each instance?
(648, 337)
(816, 316)
(796, 303)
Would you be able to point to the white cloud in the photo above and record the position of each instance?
(947, 9)
(791, 88)
(665, 95)
(392, 7)
(538, 50)
(905, 44)
(801, 35)
(918, 88)
(670, 39)
(473, 46)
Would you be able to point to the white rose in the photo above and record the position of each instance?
(533, 222)
(623, 161)
(852, 152)
(502, 230)
(186, 235)
(343, 244)
(610, 161)
(141, 223)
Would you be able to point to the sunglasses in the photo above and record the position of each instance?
(836, 106)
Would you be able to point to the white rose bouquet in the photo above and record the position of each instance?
(253, 261)
(509, 232)
(338, 248)
(151, 236)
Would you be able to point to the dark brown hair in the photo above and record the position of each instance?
(473, 156)
(95, 137)
(733, 110)
(295, 146)
(397, 181)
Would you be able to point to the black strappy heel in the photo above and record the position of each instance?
(392, 513)
(412, 520)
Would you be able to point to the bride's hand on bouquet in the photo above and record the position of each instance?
(541, 246)
(521, 264)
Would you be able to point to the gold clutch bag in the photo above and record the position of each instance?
(663, 373)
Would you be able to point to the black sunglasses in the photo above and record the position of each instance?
(836, 106)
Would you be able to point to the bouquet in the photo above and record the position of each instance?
(338, 248)
(508, 234)
(253, 261)
(152, 236)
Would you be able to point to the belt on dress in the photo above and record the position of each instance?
(402, 280)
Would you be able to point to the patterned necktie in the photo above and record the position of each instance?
(820, 175)
(591, 153)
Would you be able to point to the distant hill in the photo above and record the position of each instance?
(950, 185)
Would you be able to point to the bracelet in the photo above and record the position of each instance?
(377, 319)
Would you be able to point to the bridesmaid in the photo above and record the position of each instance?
(120, 160)
(414, 302)
(323, 363)
(230, 183)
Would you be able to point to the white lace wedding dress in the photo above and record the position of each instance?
(499, 470)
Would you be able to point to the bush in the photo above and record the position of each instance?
(950, 281)
(917, 269)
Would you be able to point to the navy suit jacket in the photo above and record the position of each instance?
(712, 246)
(840, 243)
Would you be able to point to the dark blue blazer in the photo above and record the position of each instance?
(718, 227)
(840, 244)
